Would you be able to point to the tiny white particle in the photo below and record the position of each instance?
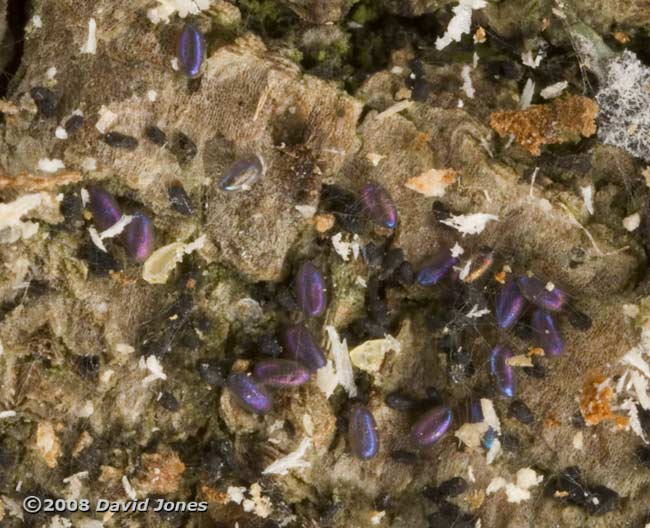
(460, 23)
(527, 94)
(91, 42)
(457, 250)
(174, 63)
(97, 240)
(50, 165)
(468, 87)
(60, 133)
(290, 461)
(51, 72)
(37, 22)
(554, 90)
(106, 119)
(85, 197)
(128, 489)
(475, 313)
(307, 211)
(632, 222)
(116, 228)
(7, 414)
(549, 286)
(528, 60)
(588, 196)
(152, 95)
(578, 440)
(471, 224)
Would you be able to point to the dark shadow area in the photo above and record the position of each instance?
(17, 15)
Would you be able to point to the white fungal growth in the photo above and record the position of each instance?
(471, 224)
(291, 461)
(461, 22)
(50, 165)
(90, 46)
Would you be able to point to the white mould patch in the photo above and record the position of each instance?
(50, 165)
(461, 22)
(470, 224)
(90, 46)
(293, 460)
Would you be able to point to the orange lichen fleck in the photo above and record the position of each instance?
(566, 118)
(500, 277)
(324, 222)
(621, 37)
(595, 402)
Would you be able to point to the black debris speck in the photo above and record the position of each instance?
(521, 412)
(73, 124)
(579, 320)
(404, 457)
(643, 454)
(179, 199)
(46, 101)
(168, 401)
(156, 136)
(119, 140)
(88, 365)
(453, 487)
(99, 263)
(269, 346)
(183, 148)
(213, 373)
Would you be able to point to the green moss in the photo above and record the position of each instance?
(364, 14)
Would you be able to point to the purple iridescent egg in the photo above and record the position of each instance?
(242, 174)
(249, 393)
(379, 205)
(432, 272)
(362, 432)
(103, 207)
(538, 293)
(309, 288)
(137, 237)
(547, 333)
(190, 51)
(281, 373)
(509, 305)
(301, 347)
(503, 374)
(431, 426)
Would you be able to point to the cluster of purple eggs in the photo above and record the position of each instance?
(138, 235)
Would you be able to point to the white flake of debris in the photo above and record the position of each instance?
(128, 489)
(116, 228)
(74, 484)
(124, 348)
(91, 42)
(461, 22)
(174, 63)
(457, 250)
(470, 224)
(468, 87)
(527, 478)
(60, 133)
(85, 197)
(471, 434)
(470, 474)
(291, 461)
(342, 363)
(106, 119)
(11, 225)
(258, 504)
(236, 493)
(37, 22)
(464, 271)
(496, 484)
(432, 183)
(528, 60)
(308, 424)
(588, 197)
(377, 517)
(326, 379)
(630, 406)
(159, 265)
(50, 165)
(369, 355)
(527, 94)
(489, 414)
(152, 95)
(578, 441)
(553, 90)
(167, 8)
(154, 367)
(460, 103)
(89, 164)
(632, 222)
(634, 357)
(51, 72)
(360, 281)
(640, 385)
(374, 158)
(341, 247)
(494, 451)
(96, 239)
(7, 414)
(394, 109)
(87, 410)
(475, 313)
(307, 211)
